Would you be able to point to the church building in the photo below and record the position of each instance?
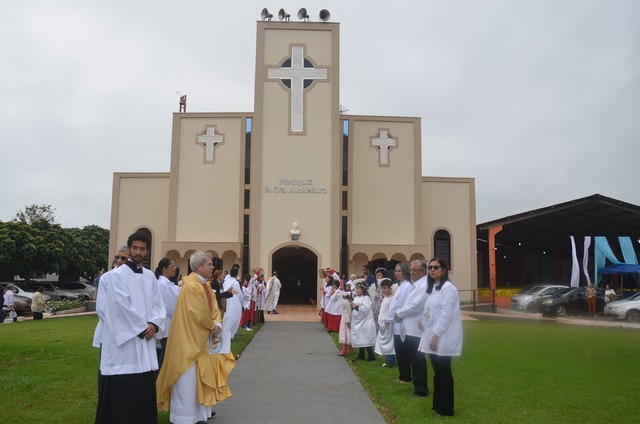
(296, 186)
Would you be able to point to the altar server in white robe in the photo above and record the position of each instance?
(363, 328)
(333, 311)
(169, 292)
(233, 313)
(384, 341)
(133, 314)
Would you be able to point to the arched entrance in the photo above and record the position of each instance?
(297, 270)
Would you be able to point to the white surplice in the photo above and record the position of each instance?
(232, 315)
(130, 301)
(169, 293)
(363, 328)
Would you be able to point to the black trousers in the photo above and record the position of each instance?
(402, 357)
(418, 366)
(163, 343)
(127, 399)
(442, 384)
(37, 315)
(370, 353)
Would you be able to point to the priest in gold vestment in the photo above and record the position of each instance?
(192, 379)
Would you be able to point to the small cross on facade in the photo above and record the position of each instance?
(296, 75)
(209, 139)
(384, 142)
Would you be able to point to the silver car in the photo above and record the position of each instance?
(86, 290)
(526, 299)
(54, 291)
(21, 289)
(628, 309)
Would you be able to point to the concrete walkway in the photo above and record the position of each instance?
(291, 373)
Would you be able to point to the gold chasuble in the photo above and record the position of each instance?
(195, 314)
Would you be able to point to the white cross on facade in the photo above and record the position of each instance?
(296, 74)
(384, 143)
(209, 140)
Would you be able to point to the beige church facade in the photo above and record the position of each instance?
(296, 185)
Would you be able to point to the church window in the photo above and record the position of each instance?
(442, 246)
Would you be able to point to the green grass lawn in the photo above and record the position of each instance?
(517, 372)
(510, 372)
(49, 371)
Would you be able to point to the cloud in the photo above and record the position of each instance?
(537, 100)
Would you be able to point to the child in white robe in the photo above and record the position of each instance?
(363, 327)
(344, 336)
(384, 341)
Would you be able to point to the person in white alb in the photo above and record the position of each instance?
(133, 314)
(193, 378)
(166, 269)
(442, 335)
(273, 294)
(384, 341)
(409, 315)
(403, 279)
(233, 313)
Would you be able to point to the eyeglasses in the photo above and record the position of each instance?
(124, 258)
(434, 267)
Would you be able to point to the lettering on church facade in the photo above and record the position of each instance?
(295, 185)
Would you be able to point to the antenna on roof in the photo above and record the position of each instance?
(183, 102)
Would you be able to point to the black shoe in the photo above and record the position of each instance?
(275, 312)
(415, 395)
(268, 312)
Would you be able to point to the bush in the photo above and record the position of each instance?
(499, 292)
(63, 305)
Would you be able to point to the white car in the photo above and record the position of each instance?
(628, 309)
(526, 299)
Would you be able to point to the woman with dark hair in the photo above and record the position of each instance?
(221, 295)
(403, 279)
(442, 333)
(38, 304)
(169, 292)
(326, 296)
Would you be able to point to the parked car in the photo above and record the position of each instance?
(85, 289)
(570, 301)
(54, 291)
(525, 301)
(24, 290)
(21, 304)
(628, 309)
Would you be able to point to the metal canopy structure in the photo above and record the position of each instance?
(538, 229)
(547, 230)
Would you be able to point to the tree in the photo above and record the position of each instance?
(29, 249)
(90, 252)
(32, 213)
(18, 247)
(45, 247)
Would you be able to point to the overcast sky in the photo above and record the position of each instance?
(538, 100)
